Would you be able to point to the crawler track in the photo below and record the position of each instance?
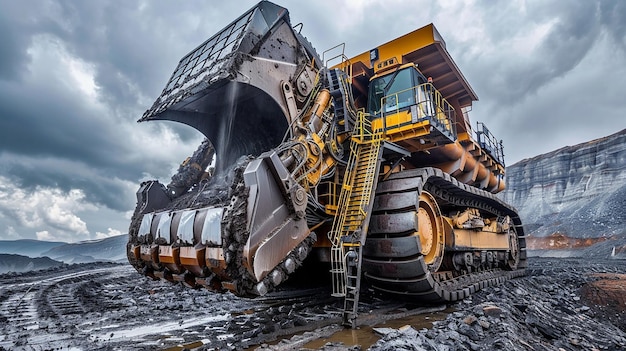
(400, 268)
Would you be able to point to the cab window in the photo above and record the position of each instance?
(395, 90)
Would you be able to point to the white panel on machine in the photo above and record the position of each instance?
(211, 230)
(185, 227)
(146, 223)
(163, 230)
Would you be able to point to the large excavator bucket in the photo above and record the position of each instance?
(244, 227)
(229, 88)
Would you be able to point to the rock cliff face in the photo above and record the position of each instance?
(576, 192)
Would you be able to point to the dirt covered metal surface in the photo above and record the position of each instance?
(101, 307)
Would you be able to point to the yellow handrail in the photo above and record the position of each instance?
(363, 132)
(430, 105)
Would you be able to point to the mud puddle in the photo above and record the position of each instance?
(189, 346)
(365, 336)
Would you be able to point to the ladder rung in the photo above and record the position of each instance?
(352, 207)
(353, 218)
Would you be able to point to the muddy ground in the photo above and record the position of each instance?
(560, 304)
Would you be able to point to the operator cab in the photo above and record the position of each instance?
(407, 107)
(397, 90)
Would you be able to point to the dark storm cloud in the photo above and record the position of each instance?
(509, 71)
(114, 34)
(613, 16)
(43, 123)
(124, 38)
(132, 48)
(12, 55)
(43, 120)
(101, 185)
(15, 35)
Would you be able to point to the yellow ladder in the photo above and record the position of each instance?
(353, 212)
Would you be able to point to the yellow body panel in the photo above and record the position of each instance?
(466, 238)
(399, 127)
(425, 48)
(400, 46)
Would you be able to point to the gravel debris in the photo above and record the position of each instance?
(542, 311)
(562, 304)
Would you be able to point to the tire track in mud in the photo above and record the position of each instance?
(33, 314)
(105, 309)
(19, 311)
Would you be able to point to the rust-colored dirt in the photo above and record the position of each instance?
(559, 241)
(608, 291)
(607, 297)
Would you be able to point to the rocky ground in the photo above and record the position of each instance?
(562, 304)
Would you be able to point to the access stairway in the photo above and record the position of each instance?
(353, 214)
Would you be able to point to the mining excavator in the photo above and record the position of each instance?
(366, 166)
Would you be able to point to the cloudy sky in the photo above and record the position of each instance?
(76, 75)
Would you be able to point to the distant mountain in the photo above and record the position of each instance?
(27, 247)
(572, 194)
(110, 249)
(19, 263)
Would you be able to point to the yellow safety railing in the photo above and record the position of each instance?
(344, 62)
(329, 196)
(363, 132)
(430, 105)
